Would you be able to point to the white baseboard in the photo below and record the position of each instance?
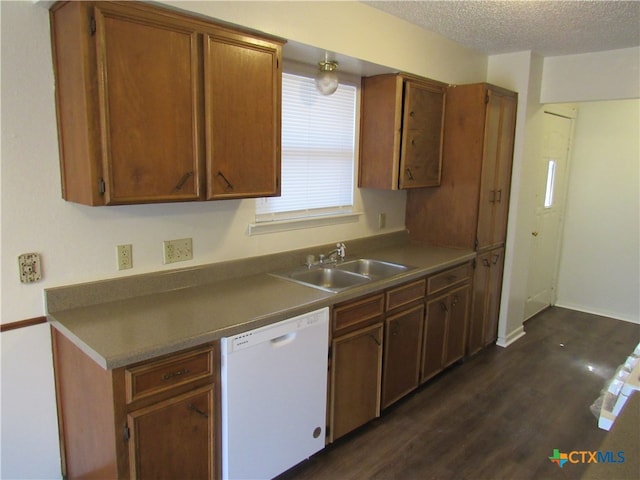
(514, 336)
(602, 313)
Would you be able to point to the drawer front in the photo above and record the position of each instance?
(405, 294)
(352, 315)
(161, 375)
(443, 280)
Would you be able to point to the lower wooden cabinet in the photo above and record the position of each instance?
(356, 360)
(434, 337)
(155, 419)
(174, 438)
(402, 346)
(487, 288)
(444, 340)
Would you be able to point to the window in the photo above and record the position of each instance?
(551, 180)
(318, 148)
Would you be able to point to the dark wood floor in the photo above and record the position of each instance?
(499, 415)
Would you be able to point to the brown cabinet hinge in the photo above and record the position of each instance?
(101, 186)
(126, 434)
(92, 26)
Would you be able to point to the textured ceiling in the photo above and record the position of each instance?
(549, 28)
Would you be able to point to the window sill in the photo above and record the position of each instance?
(262, 228)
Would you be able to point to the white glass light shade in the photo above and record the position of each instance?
(327, 78)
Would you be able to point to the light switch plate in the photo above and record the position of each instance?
(29, 266)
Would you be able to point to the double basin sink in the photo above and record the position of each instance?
(340, 276)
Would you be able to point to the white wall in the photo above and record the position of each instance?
(592, 76)
(77, 243)
(521, 72)
(600, 260)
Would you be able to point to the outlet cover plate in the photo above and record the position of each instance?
(177, 250)
(125, 256)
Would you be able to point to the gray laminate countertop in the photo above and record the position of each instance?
(121, 331)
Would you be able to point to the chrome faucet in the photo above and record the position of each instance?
(333, 256)
(337, 253)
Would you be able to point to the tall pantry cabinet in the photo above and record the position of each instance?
(470, 208)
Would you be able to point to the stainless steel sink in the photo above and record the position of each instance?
(341, 276)
(372, 268)
(328, 278)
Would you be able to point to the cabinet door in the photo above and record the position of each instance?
(503, 168)
(402, 346)
(435, 325)
(489, 164)
(458, 304)
(148, 85)
(485, 310)
(496, 169)
(356, 361)
(174, 438)
(242, 97)
(423, 120)
(496, 260)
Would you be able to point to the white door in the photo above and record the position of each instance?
(550, 190)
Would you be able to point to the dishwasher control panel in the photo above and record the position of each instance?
(276, 331)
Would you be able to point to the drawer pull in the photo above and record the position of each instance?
(375, 340)
(193, 408)
(168, 376)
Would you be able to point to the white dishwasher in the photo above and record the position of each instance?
(274, 395)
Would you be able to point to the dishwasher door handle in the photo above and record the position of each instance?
(283, 340)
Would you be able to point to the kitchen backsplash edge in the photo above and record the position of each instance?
(108, 290)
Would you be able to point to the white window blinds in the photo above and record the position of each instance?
(318, 137)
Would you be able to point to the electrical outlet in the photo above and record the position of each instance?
(125, 256)
(177, 250)
(382, 221)
(29, 267)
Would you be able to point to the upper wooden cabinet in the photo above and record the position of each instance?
(242, 94)
(401, 128)
(470, 207)
(156, 106)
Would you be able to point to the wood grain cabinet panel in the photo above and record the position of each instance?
(175, 438)
(356, 360)
(402, 346)
(128, 423)
(469, 209)
(148, 111)
(242, 94)
(485, 310)
(401, 129)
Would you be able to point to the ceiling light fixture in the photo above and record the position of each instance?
(327, 78)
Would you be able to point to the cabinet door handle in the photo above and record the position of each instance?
(454, 301)
(412, 114)
(485, 262)
(168, 376)
(183, 180)
(444, 306)
(493, 197)
(409, 174)
(202, 413)
(394, 329)
(496, 257)
(375, 339)
(499, 199)
(221, 175)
